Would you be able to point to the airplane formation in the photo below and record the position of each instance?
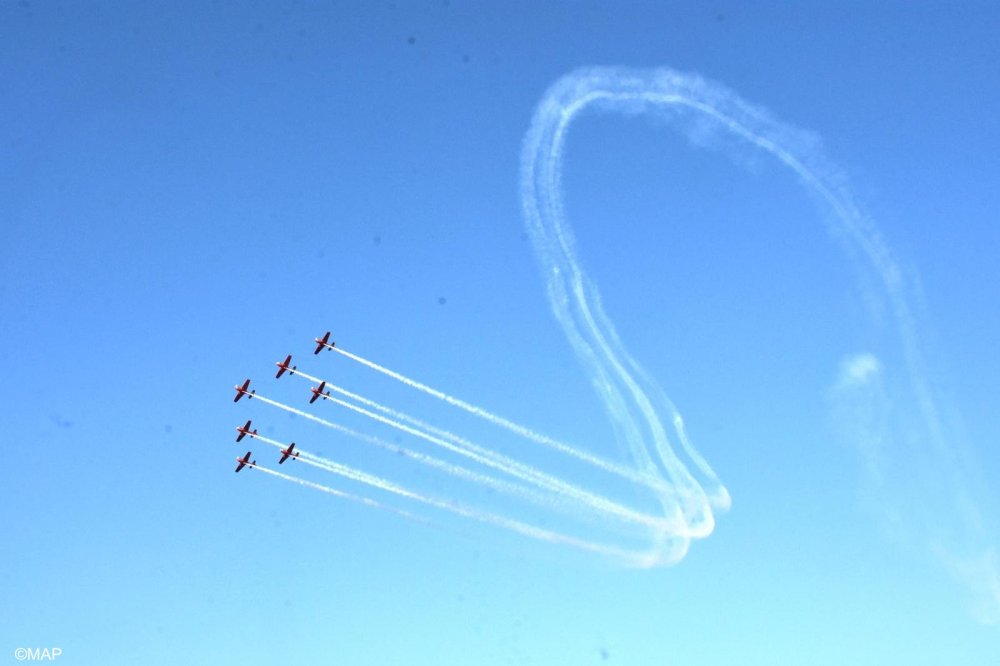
(244, 390)
(481, 466)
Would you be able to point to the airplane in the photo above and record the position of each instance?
(288, 452)
(242, 391)
(317, 392)
(324, 342)
(283, 365)
(244, 461)
(245, 430)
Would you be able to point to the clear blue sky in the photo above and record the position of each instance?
(188, 193)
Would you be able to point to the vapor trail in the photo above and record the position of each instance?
(627, 393)
(519, 527)
(527, 433)
(339, 493)
(550, 501)
(636, 404)
(520, 470)
(469, 449)
(514, 490)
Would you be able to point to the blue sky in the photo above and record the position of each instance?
(189, 193)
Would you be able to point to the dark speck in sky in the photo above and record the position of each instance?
(604, 654)
(442, 300)
(61, 422)
(377, 239)
(411, 40)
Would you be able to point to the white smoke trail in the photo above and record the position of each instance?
(560, 502)
(341, 494)
(527, 433)
(469, 449)
(346, 472)
(634, 401)
(514, 490)
(423, 458)
(516, 526)
(444, 434)
(522, 471)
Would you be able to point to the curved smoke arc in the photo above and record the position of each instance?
(639, 409)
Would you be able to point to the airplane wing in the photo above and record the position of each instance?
(283, 366)
(243, 461)
(242, 390)
(321, 343)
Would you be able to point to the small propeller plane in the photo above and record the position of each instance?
(244, 461)
(324, 343)
(245, 430)
(242, 391)
(318, 391)
(285, 453)
(284, 365)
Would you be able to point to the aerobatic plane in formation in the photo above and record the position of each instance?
(242, 391)
(324, 343)
(245, 430)
(284, 365)
(318, 391)
(244, 461)
(285, 453)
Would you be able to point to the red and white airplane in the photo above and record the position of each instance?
(318, 391)
(244, 461)
(324, 343)
(284, 365)
(242, 391)
(285, 453)
(245, 430)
